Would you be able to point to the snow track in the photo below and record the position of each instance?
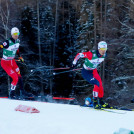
(60, 119)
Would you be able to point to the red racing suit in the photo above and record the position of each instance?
(12, 69)
(89, 71)
(8, 63)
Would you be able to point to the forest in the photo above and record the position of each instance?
(52, 32)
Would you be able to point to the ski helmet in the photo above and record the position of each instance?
(15, 30)
(87, 101)
(102, 45)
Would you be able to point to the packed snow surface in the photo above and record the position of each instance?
(60, 119)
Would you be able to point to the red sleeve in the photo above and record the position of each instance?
(88, 55)
(83, 55)
(18, 53)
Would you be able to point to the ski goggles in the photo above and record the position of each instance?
(16, 34)
(103, 49)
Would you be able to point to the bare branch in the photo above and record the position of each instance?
(4, 15)
(2, 36)
(130, 28)
(132, 1)
(123, 78)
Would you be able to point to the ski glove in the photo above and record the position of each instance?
(1, 46)
(21, 59)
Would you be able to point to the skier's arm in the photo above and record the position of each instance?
(18, 53)
(20, 57)
(82, 55)
(4, 45)
(1, 46)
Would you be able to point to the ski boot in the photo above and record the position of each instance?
(96, 103)
(104, 104)
(26, 95)
(12, 94)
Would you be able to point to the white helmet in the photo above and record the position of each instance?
(102, 44)
(14, 30)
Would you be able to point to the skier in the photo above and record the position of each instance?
(89, 72)
(10, 48)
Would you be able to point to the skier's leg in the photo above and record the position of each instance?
(12, 93)
(23, 93)
(98, 89)
(16, 68)
(6, 65)
(89, 76)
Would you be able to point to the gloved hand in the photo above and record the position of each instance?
(21, 59)
(1, 46)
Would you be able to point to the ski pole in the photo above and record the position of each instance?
(61, 68)
(47, 68)
(67, 71)
(50, 68)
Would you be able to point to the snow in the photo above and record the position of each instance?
(60, 119)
